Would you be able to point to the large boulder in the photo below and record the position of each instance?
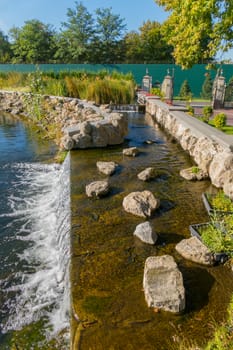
(193, 249)
(98, 131)
(220, 168)
(141, 204)
(147, 174)
(107, 168)
(97, 189)
(146, 233)
(163, 284)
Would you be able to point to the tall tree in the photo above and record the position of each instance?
(198, 29)
(5, 48)
(74, 40)
(33, 43)
(109, 32)
(154, 45)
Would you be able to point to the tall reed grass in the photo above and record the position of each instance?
(102, 87)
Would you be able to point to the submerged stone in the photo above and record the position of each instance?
(97, 189)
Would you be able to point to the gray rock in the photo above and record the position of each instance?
(163, 284)
(141, 203)
(147, 174)
(193, 249)
(191, 175)
(131, 151)
(97, 189)
(107, 168)
(146, 233)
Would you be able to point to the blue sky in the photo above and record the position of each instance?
(135, 12)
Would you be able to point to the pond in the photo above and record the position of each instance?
(108, 261)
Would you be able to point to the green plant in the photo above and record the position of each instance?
(220, 201)
(157, 92)
(207, 112)
(207, 87)
(185, 91)
(219, 120)
(190, 110)
(217, 235)
(195, 170)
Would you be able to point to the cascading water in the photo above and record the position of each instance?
(35, 248)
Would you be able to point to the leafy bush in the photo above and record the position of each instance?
(220, 201)
(157, 92)
(207, 112)
(217, 235)
(219, 120)
(190, 110)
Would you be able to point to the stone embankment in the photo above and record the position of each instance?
(211, 149)
(83, 124)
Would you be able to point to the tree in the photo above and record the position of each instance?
(206, 91)
(33, 43)
(198, 29)
(185, 90)
(133, 48)
(109, 32)
(149, 45)
(154, 45)
(5, 49)
(74, 41)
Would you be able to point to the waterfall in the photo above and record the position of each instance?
(37, 238)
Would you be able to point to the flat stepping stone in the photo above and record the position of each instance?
(146, 233)
(193, 249)
(163, 284)
(97, 189)
(141, 204)
(147, 174)
(107, 168)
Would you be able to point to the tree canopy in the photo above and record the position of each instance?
(34, 42)
(198, 29)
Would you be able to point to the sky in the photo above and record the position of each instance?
(13, 13)
(135, 12)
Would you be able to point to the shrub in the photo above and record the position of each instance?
(207, 112)
(219, 120)
(190, 110)
(156, 92)
(207, 87)
(185, 91)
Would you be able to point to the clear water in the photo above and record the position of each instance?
(34, 239)
(108, 261)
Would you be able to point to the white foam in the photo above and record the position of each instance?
(40, 206)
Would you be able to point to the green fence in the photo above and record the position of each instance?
(195, 75)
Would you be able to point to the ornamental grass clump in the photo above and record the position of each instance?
(220, 202)
(218, 234)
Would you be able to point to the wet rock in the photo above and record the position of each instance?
(163, 284)
(107, 168)
(97, 189)
(131, 152)
(193, 249)
(193, 174)
(146, 233)
(147, 174)
(141, 203)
